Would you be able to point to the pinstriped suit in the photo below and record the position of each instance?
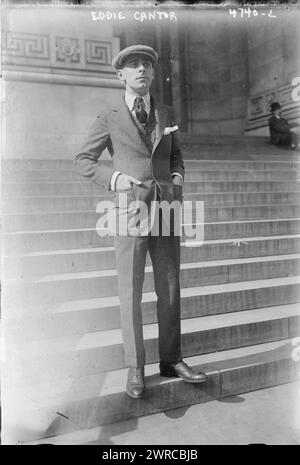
(152, 157)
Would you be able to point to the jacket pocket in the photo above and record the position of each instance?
(123, 198)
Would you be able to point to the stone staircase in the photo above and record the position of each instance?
(63, 371)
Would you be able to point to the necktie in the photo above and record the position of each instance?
(140, 112)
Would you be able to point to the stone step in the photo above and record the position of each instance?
(259, 162)
(236, 152)
(92, 259)
(215, 174)
(248, 299)
(233, 151)
(256, 164)
(89, 219)
(59, 358)
(236, 147)
(75, 317)
(33, 298)
(224, 140)
(241, 147)
(53, 203)
(237, 175)
(84, 187)
(46, 240)
(61, 287)
(71, 412)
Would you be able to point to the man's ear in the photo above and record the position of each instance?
(120, 74)
(154, 71)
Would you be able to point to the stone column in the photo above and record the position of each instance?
(273, 62)
(180, 77)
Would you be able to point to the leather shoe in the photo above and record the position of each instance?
(135, 386)
(182, 370)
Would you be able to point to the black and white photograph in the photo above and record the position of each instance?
(150, 225)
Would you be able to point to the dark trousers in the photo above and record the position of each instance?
(131, 258)
(287, 139)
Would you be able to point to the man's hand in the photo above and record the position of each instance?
(124, 182)
(177, 180)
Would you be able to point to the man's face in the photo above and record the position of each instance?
(277, 112)
(137, 73)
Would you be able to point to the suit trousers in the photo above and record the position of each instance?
(131, 255)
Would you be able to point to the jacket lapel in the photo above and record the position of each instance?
(128, 123)
(161, 117)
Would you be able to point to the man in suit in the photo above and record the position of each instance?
(280, 130)
(140, 135)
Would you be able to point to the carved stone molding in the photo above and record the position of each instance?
(67, 50)
(98, 53)
(259, 106)
(51, 78)
(19, 46)
(256, 106)
(83, 55)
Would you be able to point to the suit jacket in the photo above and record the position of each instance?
(279, 129)
(153, 164)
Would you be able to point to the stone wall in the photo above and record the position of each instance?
(58, 75)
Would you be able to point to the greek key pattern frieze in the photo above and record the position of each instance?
(98, 53)
(80, 55)
(33, 46)
(260, 105)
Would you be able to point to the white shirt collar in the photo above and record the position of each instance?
(130, 98)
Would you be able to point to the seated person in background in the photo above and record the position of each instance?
(280, 129)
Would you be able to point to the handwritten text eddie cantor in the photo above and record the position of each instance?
(136, 15)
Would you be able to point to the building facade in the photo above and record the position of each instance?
(219, 72)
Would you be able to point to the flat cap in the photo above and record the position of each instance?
(118, 60)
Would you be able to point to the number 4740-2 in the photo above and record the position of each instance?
(247, 12)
